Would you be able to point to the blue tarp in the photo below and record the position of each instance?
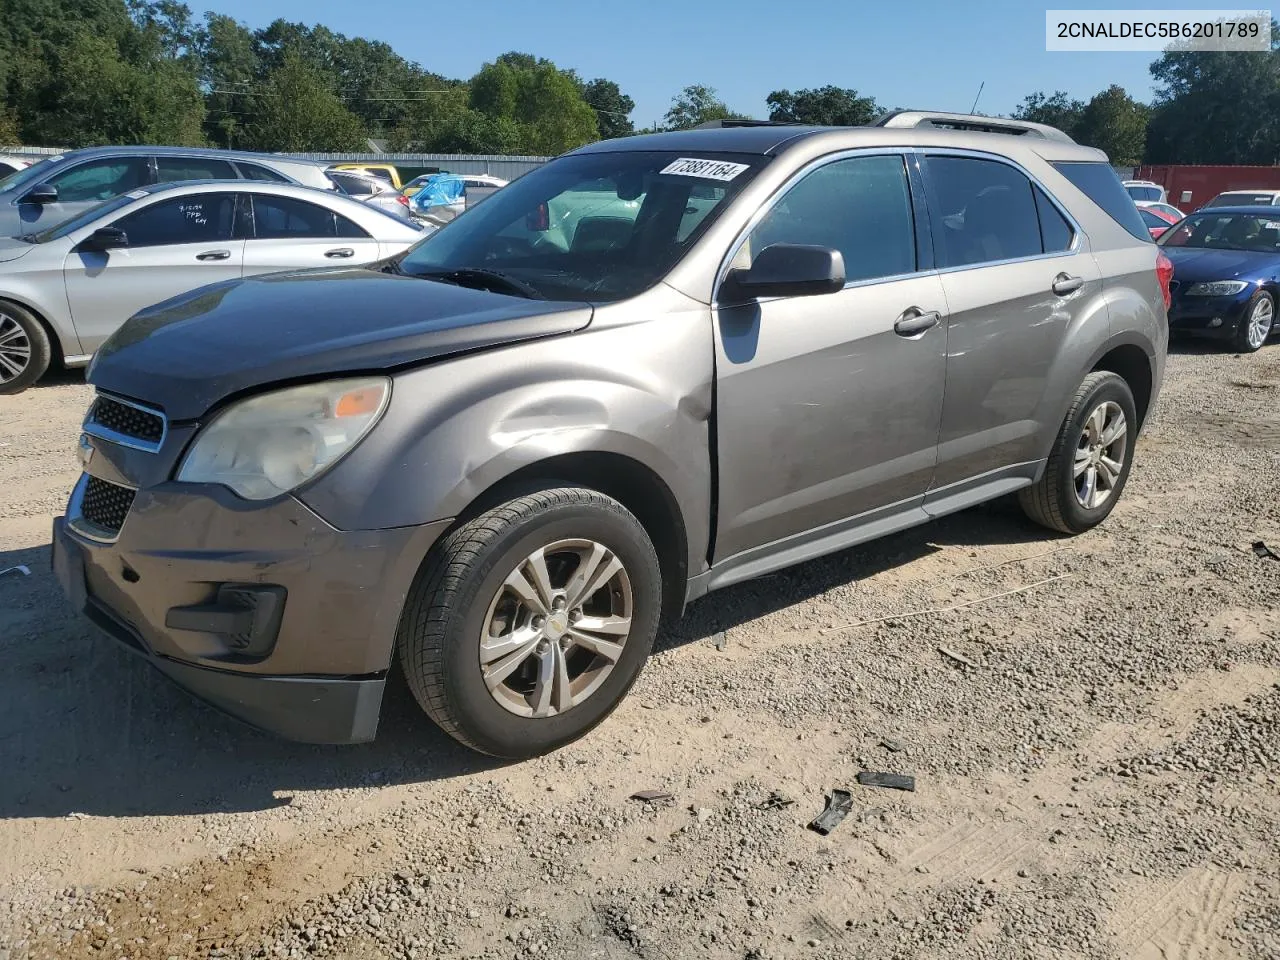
(440, 190)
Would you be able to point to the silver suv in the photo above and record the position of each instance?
(649, 369)
(62, 186)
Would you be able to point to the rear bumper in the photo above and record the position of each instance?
(309, 664)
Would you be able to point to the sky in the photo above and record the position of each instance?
(921, 54)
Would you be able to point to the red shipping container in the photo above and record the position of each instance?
(1190, 187)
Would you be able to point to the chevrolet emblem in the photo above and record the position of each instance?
(84, 451)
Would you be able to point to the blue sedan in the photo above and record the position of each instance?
(1226, 274)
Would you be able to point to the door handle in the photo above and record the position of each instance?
(1064, 283)
(214, 255)
(339, 253)
(914, 322)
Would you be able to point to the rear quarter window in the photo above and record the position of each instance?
(1100, 184)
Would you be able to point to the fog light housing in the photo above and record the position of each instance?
(1215, 322)
(244, 617)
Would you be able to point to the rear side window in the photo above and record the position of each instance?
(1055, 232)
(175, 169)
(988, 211)
(1100, 184)
(286, 218)
(1143, 193)
(252, 171)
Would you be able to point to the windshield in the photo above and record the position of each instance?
(32, 175)
(1241, 199)
(592, 227)
(60, 230)
(1227, 231)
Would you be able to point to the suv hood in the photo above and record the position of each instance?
(186, 354)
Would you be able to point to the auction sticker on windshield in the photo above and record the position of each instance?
(705, 169)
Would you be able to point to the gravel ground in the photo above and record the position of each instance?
(1097, 772)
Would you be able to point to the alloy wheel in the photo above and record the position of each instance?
(15, 349)
(556, 628)
(1260, 319)
(1100, 454)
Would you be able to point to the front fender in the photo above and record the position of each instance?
(454, 429)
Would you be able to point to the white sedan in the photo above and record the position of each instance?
(64, 290)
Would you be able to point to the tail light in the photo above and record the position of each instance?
(1164, 273)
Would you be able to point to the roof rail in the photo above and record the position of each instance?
(717, 124)
(967, 121)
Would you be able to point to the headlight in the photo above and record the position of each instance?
(1216, 288)
(268, 445)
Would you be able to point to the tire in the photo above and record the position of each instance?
(460, 597)
(1055, 500)
(1252, 331)
(23, 343)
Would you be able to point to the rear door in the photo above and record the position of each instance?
(175, 244)
(1016, 271)
(176, 169)
(287, 233)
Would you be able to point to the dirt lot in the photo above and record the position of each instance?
(1099, 776)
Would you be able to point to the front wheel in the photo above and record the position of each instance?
(528, 624)
(1090, 460)
(25, 351)
(1256, 323)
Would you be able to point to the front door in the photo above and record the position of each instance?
(290, 234)
(828, 406)
(174, 245)
(80, 186)
(1017, 274)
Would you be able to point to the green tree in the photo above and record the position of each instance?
(1216, 107)
(297, 111)
(1116, 124)
(494, 90)
(229, 68)
(697, 104)
(550, 106)
(612, 108)
(1056, 110)
(475, 132)
(824, 106)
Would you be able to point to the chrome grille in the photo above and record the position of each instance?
(125, 423)
(105, 505)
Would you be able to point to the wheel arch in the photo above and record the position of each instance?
(1130, 362)
(629, 481)
(59, 349)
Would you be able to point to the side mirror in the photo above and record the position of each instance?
(42, 194)
(104, 239)
(790, 270)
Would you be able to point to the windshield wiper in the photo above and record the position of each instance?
(479, 278)
(29, 237)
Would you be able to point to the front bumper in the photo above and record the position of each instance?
(314, 670)
(1195, 314)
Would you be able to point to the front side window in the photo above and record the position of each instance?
(100, 179)
(860, 206)
(176, 169)
(287, 218)
(591, 227)
(988, 211)
(195, 218)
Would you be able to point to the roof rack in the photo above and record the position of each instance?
(967, 121)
